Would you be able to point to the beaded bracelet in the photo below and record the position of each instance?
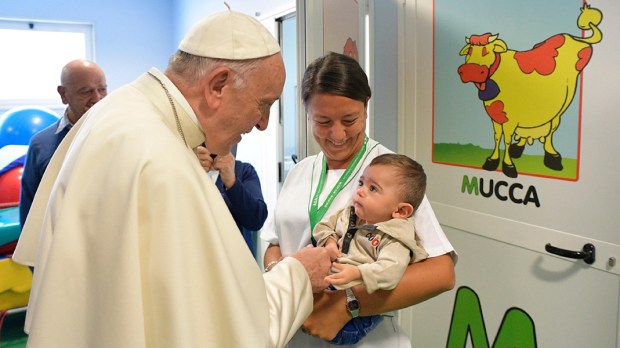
(270, 265)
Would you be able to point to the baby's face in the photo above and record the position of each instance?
(377, 197)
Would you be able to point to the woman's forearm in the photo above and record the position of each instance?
(421, 281)
(273, 254)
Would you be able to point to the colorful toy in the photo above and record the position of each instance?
(19, 124)
(10, 185)
(9, 226)
(15, 284)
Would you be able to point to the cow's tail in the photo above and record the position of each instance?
(589, 19)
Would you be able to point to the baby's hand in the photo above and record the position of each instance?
(345, 274)
(333, 247)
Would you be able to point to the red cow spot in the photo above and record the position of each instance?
(584, 57)
(541, 58)
(496, 112)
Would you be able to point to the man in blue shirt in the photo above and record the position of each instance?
(82, 85)
(240, 187)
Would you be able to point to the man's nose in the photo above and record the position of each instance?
(263, 122)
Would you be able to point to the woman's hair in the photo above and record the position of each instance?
(190, 68)
(336, 74)
(410, 176)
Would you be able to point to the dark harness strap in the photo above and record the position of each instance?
(352, 229)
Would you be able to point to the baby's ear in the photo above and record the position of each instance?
(403, 211)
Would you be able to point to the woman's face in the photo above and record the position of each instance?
(338, 126)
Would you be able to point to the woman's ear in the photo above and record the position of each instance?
(216, 83)
(403, 211)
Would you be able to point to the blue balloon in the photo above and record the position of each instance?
(19, 124)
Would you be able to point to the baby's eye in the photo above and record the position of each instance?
(360, 183)
(373, 188)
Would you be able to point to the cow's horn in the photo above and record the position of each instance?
(492, 38)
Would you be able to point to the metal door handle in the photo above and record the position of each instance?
(586, 254)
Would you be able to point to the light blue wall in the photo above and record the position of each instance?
(130, 36)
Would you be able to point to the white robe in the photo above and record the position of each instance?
(136, 247)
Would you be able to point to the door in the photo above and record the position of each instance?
(263, 149)
(501, 211)
(330, 26)
(289, 120)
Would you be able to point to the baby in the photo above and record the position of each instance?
(375, 236)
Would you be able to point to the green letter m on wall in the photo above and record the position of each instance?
(516, 331)
(470, 186)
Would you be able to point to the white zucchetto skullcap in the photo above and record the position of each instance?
(229, 35)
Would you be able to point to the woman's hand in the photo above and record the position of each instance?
(328, 316)
(421, 281)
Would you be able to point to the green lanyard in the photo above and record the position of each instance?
(316, 213)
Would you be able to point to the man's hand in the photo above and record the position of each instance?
(317, 262)
(206, 161)
(226, 165)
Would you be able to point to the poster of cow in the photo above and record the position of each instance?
(507, 92)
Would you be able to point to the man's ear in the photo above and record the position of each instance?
(216, 83)
(62, 92)
(403, 211)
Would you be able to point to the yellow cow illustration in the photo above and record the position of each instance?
(525, 93)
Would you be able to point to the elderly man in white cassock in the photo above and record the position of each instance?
(131, 243)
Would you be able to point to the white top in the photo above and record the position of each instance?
(290, 225)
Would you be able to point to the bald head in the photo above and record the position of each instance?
(82, 85)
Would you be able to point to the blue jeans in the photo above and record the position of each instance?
(356, 329)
